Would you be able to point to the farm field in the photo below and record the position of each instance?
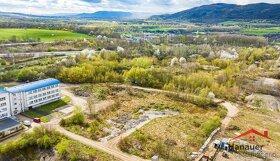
(261, 32)
(39, 35)
(242, 23)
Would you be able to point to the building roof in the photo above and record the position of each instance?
(33, 85)
(8, 123)
(3, 91)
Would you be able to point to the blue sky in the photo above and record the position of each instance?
(89, 6)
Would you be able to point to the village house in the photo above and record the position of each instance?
(17, 99)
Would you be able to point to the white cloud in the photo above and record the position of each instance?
(78, 6)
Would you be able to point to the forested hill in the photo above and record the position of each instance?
(223, 12)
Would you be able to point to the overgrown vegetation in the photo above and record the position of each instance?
(42, 143)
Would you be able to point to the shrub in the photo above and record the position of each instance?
(209, 126)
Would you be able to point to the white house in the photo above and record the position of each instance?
(17, 99)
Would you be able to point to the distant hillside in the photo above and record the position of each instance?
(96, 15)
(13, 14)
(105, 15)
(223, 12)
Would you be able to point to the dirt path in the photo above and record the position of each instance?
(54, 125)
(75, 100)
(232, 112)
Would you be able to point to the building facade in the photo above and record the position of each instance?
(17, 99)
(4, 104)
(31, 95)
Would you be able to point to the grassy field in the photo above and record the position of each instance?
(261, 32)
(242, 23)
(48, 108)
(39, 34)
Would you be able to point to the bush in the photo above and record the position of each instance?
(209, 126)
(148, 77)
(78, 118)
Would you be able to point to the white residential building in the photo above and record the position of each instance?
(17, 99)
(31, 95)
(4, 104)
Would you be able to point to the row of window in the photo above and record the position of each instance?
(44, 98)
(3, 110)
(3, 104)
(43, 89)
(43, 94)
(3, 115)
(3, 99)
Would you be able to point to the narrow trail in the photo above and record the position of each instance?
(232, 112)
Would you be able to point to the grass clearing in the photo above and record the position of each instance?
(242, 23)
(39, 34)
(32, 114)
(48, 108)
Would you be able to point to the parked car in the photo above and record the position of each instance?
(37, 120)
(27, 123)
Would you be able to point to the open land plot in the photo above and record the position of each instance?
(39, 34)
(183, 133)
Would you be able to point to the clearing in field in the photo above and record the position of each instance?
(38, 35)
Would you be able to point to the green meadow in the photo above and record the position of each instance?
(261, 32)
(39, 34)
(244, 23)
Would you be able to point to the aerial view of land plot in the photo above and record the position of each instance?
(114, 80)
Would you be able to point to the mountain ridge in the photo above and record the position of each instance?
(219, 12)
(95, 15)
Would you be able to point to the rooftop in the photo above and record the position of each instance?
(8, 123)
(33, 85)
(3, 91)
